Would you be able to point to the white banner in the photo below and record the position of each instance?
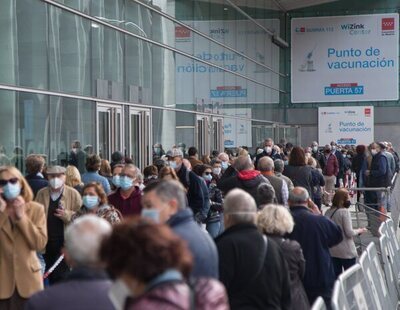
(237, 132)
(197, 81)
(346, 125)
(345, 58)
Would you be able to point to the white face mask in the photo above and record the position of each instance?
(268, 149)
(374, 152)
(216, 171)
(56, 183)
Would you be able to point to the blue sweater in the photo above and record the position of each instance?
(316, 234)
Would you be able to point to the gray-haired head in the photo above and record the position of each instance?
(265, 194)
(83, 239)
(298, 196)
(265, 164)
(243, 163)
(169, 190)
(275, 220)
(279, 165)
(239, 208)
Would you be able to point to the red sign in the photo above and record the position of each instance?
(182, 32)
(367, 112)
(388, 24)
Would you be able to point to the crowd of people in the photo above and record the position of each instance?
(231, 230)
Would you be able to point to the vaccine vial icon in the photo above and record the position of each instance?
(308, 65)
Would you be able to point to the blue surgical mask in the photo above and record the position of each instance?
(207, 177)
(173, 164)
(11, 191)
(224, 165)
(90, 202)
(126, 183)
(152, 214)
(116, 181)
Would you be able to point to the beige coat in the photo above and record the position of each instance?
(19, 265)
(71, 200)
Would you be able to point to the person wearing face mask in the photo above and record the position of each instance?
(330, 169)
(128, 196)
(156, 279)
(339, 156)
(116, 172)
(23, 233)
(377, 175)
(216, 169)
(197, 192)
(343, 254)
(60, 202)
(213, 220)
(224, 158)
(165, 202)
(95, 202)
(315, 151)
(268, 151)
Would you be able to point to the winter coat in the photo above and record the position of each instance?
(253, 279)
(300, 176)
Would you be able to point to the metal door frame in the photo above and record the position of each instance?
(204, 146)
(113, 111)
(145, 136)
(220, 123)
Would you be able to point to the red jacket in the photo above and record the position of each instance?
(209, 295)
(331, 166)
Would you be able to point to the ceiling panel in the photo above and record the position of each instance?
(298, 4)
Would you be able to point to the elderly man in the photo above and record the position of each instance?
(86, 287)
(279, 167)
(266, 167)
(268, 151)
(316, 234)
(252, 267)
(165, 202)
(127, 197)
(224, 158)
(60, 202)
(242, 175)
(197, 191)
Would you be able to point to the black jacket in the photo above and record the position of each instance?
(36, 182)
(197, 193)
(274, 155)
(251, 285)
(300, 176)
(229, 182)
(379, 172)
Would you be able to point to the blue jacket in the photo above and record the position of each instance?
(89, 177)
(316, 234)
(379, 172)
(199, 241)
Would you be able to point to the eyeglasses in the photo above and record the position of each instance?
(207, 173)
(12, 181)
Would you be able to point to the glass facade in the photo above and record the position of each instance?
(62, 61)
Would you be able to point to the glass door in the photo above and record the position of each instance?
(202, 138)
(140, 137)
(109, 130)
(218, 134)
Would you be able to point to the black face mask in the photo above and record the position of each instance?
(347, 204)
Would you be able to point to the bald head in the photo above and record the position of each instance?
(265, 164)
(239, 208)
(298, 196)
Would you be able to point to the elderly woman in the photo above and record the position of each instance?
(344, 254)
(275, 222)
(153, 264)
(23, 233)
(95, 202)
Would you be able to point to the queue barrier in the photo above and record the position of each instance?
(372, 283)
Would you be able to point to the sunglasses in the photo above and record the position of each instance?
(12, 181)
(207, 173)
